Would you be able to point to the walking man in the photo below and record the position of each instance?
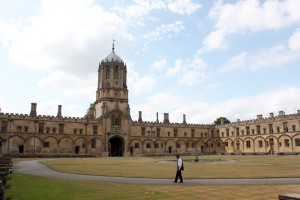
(179, 169)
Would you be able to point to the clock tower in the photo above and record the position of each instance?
(112, 104)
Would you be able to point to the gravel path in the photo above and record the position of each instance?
(34, 167)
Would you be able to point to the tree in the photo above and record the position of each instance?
(218, 121)
(92, 105)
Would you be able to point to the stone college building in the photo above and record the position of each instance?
(108, 129)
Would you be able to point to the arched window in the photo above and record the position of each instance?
(116, 72)
(116, 120)
(107, 72)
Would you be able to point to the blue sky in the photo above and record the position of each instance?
(205, 59)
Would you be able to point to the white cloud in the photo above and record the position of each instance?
(294, 41)
(243, 108)
(165, 29)
(183, 6)
(188, 74)
(159, 65)
(66, 35)
(271, 58)
(50, 107)
(69, 85)
(138, 83)
(140, 10)
(249, 15)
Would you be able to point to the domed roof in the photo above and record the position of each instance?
(113, 57)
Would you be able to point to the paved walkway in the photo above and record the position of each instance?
(33, 167)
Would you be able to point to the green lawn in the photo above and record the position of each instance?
(31, 187)
(208, 167)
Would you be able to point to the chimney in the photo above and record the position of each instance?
(281, 113)
(33, 110)
(184, 119)
(157, 121)
(59, 111)
(166, 118)
(140, 117)
(91, 113)
(271, 115)
(259, 117)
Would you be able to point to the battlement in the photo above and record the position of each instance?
(260, 119)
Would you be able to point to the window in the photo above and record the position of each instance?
(143, 131)
(258, 129)
(260, 144)
(248, 144)
(80, 131)
(222, 134)
(137, 145)
(175, 132)
(294, 128)
(218, 144)
(47, 129)
(226, 144)
(107, 72)
(212, 145)
(158, 132)
(271, 128)
(61, 128)
(287, 142)
(285, 127)
(243, 132)
(252, 130)
(26, 129)
(75, 130)
(19, 128)
(54, 130)
(237, 132)
(193, 133)
(247, 130)
(297, 142)
(148, 145)
(46, 145)
(93, 143)
(227, 132)
(116, 72)
(169, 134)
(265, 131)
(185, 134)
(156, 145)
(95, 130)
(278, 130)
(4, 126)
(116, 119)
(41, 127)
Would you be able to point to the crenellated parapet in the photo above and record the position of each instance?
(260, 119)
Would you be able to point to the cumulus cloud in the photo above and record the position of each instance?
(139, 11)
(159, 65)
(188, 74)
(50, 107)
(294, 41)
(70, 85)
(164, 29)
(66, 35)
(271, 58)
(249, 15)
(183, 6)
(200, 112)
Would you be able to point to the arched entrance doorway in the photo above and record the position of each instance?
(116, 147)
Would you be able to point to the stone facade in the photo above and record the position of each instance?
(109, 130)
